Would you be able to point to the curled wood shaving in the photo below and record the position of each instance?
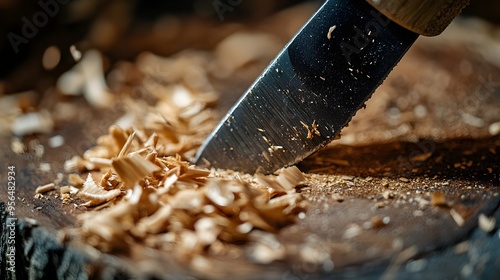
(109, 181)
(96, 195)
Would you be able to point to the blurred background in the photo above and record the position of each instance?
(121, 29)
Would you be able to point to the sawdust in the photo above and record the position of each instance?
(312, 130)
(141, 189)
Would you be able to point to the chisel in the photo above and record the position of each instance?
(318, 82)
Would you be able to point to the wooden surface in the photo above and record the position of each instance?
(448, 75)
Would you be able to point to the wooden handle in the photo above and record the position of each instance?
(425, 17)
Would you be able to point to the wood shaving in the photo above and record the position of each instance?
(486, 224)
(352, 231)
(404, 180)
(45, 167)
(75, 53)
(330, 32)
(457, 217)
(180, 199)
(337, 197)
(149, 192)
(285, 181)
(311, 131)
(45, 188)
(388, 195)
(462, 247)
(51, 57)
(17, 146)
(339, 162)
(96, 195)
(133, 168)
(421, 157)
(56, 141)
(268, 249)
(34, 122)
(87, 77)
(377, 222)
(64, 190)
(494, 128)
(438, 199)
(75, 180)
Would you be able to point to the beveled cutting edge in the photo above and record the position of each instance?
(310, 91)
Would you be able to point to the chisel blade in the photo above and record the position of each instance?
(310, 91)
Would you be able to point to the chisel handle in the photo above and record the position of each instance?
(425, 17)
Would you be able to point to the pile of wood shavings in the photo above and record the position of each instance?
(148, 192)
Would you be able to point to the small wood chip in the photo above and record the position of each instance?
(337, 197)
(33, 122)
(339, 162)
(100, 162)
(330, 31)
(127, 146)
(457, 217)
(486, 224)
(56, 141)
(379, 205)
(421, 157)
(379, 222)
(75, 180)
(311, 131)
(45, 188)
(75, 53)
(290, 177)
(462, 247)
(45, 167)
(17, 146)
(347, 177)
(287, 179)
(494, 128)
(388, 194)
(352, 231)
(64, 190)
(438, 199)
